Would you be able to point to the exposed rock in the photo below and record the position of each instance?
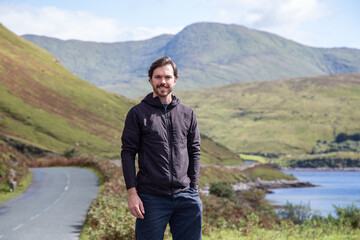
(262, 184)
(281, 183)
(116, 162)
(12, 179)
(25, 148)
(242, 187)
(205, 190)
(13, 185)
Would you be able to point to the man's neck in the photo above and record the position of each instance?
(164, 100)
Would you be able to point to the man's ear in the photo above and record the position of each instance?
(175, 80)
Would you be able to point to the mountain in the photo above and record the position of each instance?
(45, 107)
(207, 54)
(284, 116)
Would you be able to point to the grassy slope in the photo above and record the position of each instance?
(216, 154)
(103, 64)
(208, 55)
(286, 116)
(45, 105)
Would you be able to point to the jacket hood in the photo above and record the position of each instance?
(155, 101)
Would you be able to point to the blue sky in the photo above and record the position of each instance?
(319, 23)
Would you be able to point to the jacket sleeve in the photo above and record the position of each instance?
(130, 147)
(193, 145)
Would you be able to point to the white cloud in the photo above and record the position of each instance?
(287, 18)
(63, 24)
(283, 17)
(260, 13)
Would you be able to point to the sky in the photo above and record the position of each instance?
(316, 23)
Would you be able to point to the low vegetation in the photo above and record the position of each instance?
(278, 117)
(44, 105)
(211, 174)
(265, 172)
(297, 223)
(223, 189)
(213, 153)
(333, 161)
(342, 143)
(14, 170)
(342, 152)
(22, 185)
(252, 157)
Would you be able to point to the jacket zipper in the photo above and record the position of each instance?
(167, 122)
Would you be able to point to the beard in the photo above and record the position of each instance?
(162, 90)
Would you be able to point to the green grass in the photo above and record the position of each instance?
(22, 186)
(211, 174)
(256, 158)
(284, 116)
(284, 161)
(266, 173)
(285, 233)
(45, 105)
(213, 153)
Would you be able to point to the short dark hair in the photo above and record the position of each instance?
(162, 62)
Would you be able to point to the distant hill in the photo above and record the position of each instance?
(45, 106)
(282, 116)
(208, 55)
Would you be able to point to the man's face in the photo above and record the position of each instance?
(163, 80)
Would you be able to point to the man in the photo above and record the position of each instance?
(164, 134)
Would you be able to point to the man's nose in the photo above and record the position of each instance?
(163, 80)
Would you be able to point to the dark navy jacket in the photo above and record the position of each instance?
(167, 142)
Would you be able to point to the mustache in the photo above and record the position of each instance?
(162, 85)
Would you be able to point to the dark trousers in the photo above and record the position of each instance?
(183, 212)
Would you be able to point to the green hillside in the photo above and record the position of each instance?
(44, 105)
(208, 55)
(283, 116)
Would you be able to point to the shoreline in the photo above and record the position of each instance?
(320, 169)
(265, 185)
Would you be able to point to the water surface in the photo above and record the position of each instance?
(340, 188)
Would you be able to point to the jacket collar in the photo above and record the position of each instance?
(155, 101)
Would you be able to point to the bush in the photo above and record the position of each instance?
(341, 137)
(223, 189)
(4, 188)
(350, 214)
(69, 153)
(255, 198)
(342, 143)
(298, 214)
(109, 218)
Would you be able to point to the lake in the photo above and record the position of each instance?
(340, 188)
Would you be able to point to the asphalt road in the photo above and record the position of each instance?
(54, 207)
